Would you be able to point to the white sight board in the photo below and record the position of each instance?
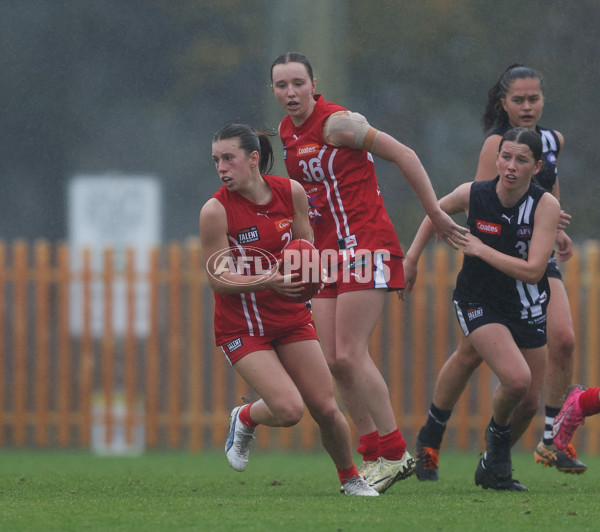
(119, 212)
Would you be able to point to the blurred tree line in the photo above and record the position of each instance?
(140, 86)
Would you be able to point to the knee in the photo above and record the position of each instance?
(343, 364)
(518, 387)
(561, 343)
(325, 414)
(288, 414)
(467, 357)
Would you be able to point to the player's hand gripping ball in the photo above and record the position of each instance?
(301, 257)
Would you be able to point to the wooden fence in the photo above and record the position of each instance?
(72, 377)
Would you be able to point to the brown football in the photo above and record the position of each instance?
(301, 257)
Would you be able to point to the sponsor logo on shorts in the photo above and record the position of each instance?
(539, 320)
(248, 235)
(363, 266)
(474, 313)
(359, 263)
(488, 227)
(234, 344)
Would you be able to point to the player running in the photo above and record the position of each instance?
(268, 338)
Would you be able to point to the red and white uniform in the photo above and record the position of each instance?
(257, 231)
(346, 209)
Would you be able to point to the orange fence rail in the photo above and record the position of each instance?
(123, 387)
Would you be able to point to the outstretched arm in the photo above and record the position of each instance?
(409, 164)
(455, 202)
(351, 130)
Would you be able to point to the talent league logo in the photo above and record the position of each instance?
(248, 235)
(474, 313)
(234, 344)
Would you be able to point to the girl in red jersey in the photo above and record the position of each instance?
(268, 338)
(329, 151)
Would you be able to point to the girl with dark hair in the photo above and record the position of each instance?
(516, 99)
(329, 150)
(267, 337)
(502, 290)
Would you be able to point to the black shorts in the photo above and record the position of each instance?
(552, 268)
(527, 334)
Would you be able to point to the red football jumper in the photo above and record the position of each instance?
(258, 233)
(345, 205)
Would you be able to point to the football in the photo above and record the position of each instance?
(301, 257)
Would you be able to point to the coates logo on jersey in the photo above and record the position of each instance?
(524, 231)
(283, 224)
(307, 150)
(488, 227)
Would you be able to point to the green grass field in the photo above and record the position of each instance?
(172, 491)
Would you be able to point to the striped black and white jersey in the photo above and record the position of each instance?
(509, 230)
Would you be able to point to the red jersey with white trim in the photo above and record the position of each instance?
(345, 205)
(257, 235)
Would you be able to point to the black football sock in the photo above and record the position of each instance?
(432, 433)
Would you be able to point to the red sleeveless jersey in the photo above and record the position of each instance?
(345, 205)
(257, 235)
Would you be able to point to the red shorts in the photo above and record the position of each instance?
(370, 270)
(236, 348)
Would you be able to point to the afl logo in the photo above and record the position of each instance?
(524, 231)
(260, 263)
(551, 158)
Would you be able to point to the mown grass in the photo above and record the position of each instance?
(168, 491)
